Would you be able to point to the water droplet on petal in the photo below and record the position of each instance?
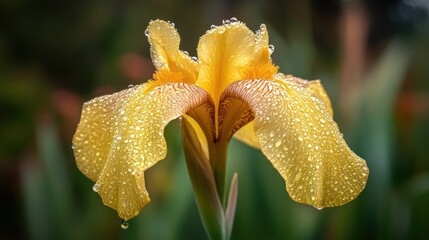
(124, 224)
(226, 22)
(195, 59)
(146, 32)
(271, 48)
(233, 20)
(212, 26)
(72, 146)
(318, 208)
(185, 52)
(130, 86)
(96, 187)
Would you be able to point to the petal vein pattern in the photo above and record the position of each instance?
(121, 135)
(296, 132)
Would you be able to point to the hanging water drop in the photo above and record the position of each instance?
(72, 146)
(233, 20)
(195, 59)
(124, 224)
(271, 48)
(318, 208)
(96, 187)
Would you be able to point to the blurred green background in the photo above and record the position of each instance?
(372, 57)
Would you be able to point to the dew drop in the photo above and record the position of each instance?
(124, 224)
(96, 187)
(130, 86)
(195, 59)
(318, 208)
(72, 146)
(146, 32)
(186, 52)
(233, 20)
(226, 22)
(271, 48)
(212, 26)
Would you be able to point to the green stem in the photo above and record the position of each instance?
(218, 154)
(203, 183)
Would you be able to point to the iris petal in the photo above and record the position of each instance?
(165, 40)
(222, 52)
(121, 135)
(247, 135)
(298, 135)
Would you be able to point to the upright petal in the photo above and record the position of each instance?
(298, 135)
(223, 52)
(165, 40)
(121, 135)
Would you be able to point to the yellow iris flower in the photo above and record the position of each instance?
(232, 89)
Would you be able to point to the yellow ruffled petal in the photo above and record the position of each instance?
(165, 40)
(223, 53)
(315, 87)
(298, 135)
(247, 135)
(261, 66)
(121, 135)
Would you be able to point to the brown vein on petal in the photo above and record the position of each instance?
(233, 114)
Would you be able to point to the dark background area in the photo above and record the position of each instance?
(371, 56)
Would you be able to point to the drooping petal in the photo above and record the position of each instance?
(247, 135)
(298, 135)
(121, 135)
(223, 52)
(315, 88)
(165, 40)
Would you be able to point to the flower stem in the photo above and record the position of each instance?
(218, 154)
